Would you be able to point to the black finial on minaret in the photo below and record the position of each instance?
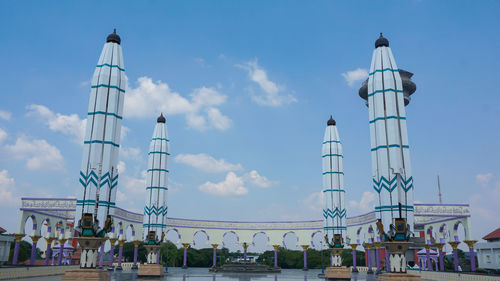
(331, 122)
(114, 38)
(381, 41)
(161, 119)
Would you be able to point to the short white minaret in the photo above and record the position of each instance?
(334, 211)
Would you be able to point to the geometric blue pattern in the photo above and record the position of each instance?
(333, 214)
(390, 185)
(386, 90)
(107, 86)
(390, 145)
(109, 65)
(385, 118)
(155, 210)
(92, 178)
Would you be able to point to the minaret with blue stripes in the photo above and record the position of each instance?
(334, 211)
(387, 91)
(99, 174)
(155, 210)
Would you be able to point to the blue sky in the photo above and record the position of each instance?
(247, 88)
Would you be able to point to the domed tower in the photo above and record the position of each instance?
(387, 91)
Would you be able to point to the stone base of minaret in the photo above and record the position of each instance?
(151, 268)
(337, 271)
(88, 262)
(397, 262)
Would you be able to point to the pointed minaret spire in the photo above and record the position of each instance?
(99, 174)
(334, 211)
(155, 209)
(387, 92)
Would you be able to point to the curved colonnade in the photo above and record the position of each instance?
(436, 225)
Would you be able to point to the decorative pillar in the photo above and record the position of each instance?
(275, 247)
(33, 249)
(61, 248)
(120, 254)
(245, 247)
(304, 247)
(48, 250)
(354, 268)
(472, 255)
(387, 263)
(214, 256)
(17, 238)
(377, 255)
(136, 251)
(158, 255)
(441, 256)
(454, 246)
(428, 264)
(184, 260)
(112, 242)
(368, 259)
(101, 256)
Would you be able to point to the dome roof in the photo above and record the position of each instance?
(331, 122)
(161, 119)
(381, 41)
(114, 38)
(409, 86)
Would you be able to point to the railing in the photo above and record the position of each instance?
(34, 271)
(452, 276)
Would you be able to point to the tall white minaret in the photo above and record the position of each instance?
(387, 91)
(334, 211)
(155, 210)
(98, 174)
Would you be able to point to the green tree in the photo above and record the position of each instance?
(24, 251)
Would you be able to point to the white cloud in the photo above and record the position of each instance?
(366, 204)
(484, 179)
(66, 124)
(133, 153)
(7, 184)
(218, 121)
(150, 98)
(3, 135)
(314, 202)
(354, 76)
(231, 186)
(271, 96)
(254, 178)
(121, 167)
(120, 196)
(207, 163)
(39, 154)
(5, 115)
(134, 185)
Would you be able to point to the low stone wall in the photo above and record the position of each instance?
(452, 276)
(26, 272)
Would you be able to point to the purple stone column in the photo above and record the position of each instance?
(61, 248)
(47, 252)
(276, 255)
(101, 257)
(16, 253)
(120, 253)
(34, 239)
(184, 260)
(136, 249)
(158, 257)
(455, 259)
(368, 259)
(441, 261)
(354, 268)
(387, 261)
(112, 255)
(472, 259)
(214, 255)
(428, 258)
(377, 256)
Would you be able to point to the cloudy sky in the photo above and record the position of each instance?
(247, 89)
